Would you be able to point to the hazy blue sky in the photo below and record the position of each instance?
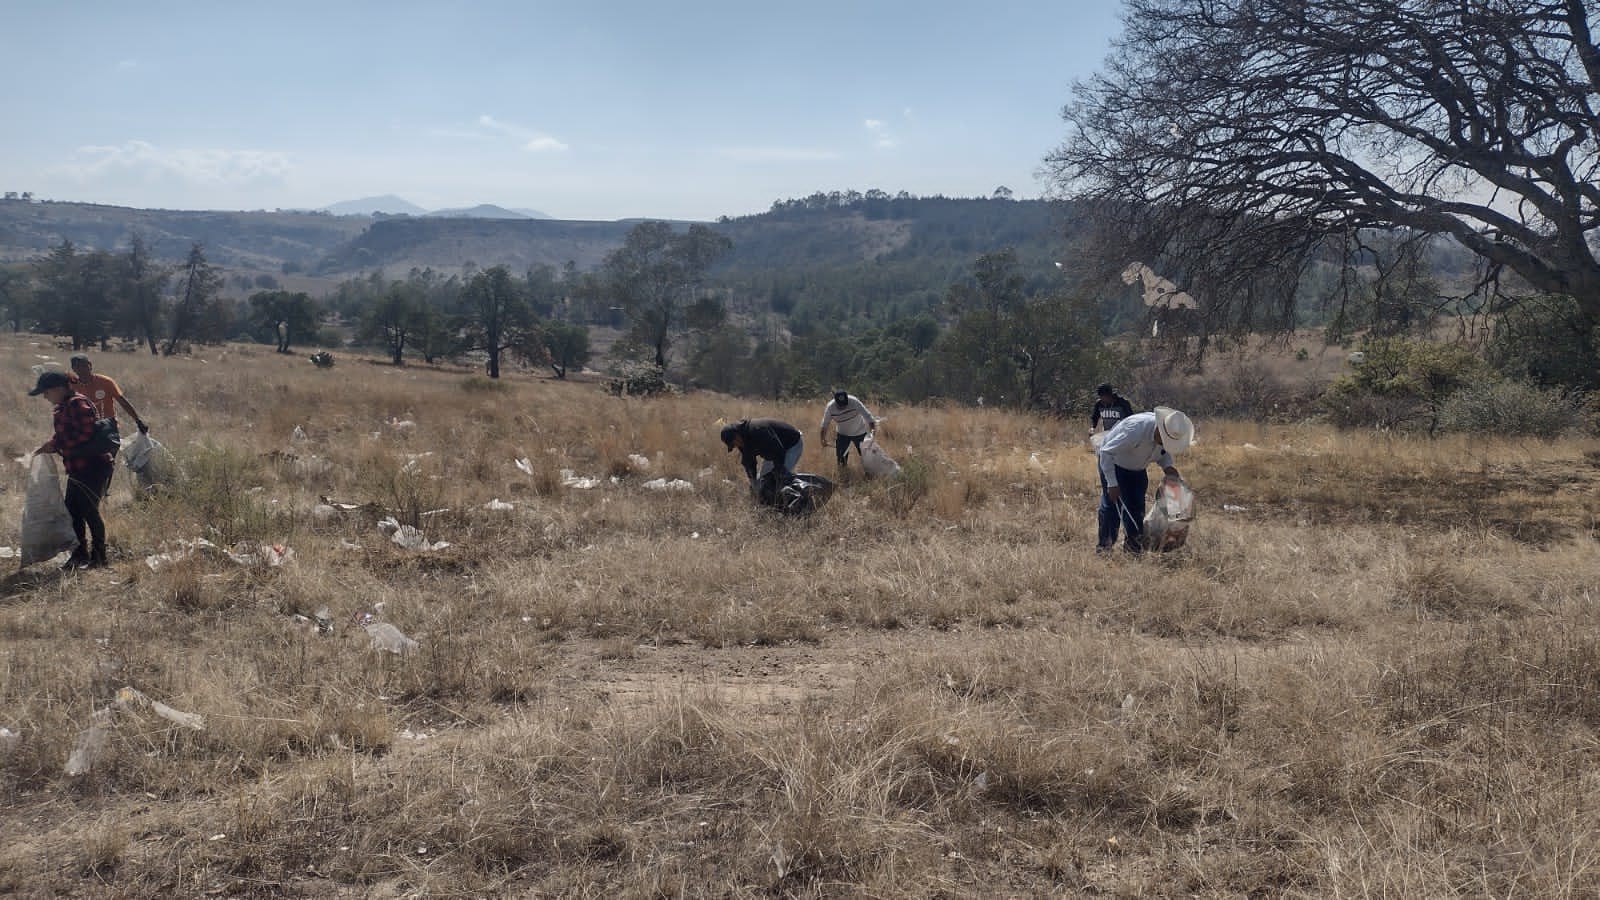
(596, 110)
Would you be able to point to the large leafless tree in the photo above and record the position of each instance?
(1238, 141)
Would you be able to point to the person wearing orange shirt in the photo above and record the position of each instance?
(102, 391)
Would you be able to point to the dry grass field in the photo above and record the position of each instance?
(1374, 671)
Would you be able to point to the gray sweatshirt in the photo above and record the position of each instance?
(851, 419)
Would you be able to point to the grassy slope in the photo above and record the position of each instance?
(1377, 677)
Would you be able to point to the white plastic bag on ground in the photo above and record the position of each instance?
(1166, 525)
(46, 524)
(875, 461)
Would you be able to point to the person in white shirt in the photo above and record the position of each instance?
(1128, 449)
(851, 424)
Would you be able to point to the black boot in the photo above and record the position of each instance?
(97, 557)
(78, 560)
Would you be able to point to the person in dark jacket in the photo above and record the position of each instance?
(775, 441)
(1109, 409)
(88, 474)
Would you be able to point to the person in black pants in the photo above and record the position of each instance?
(777, 443)
(88, 472)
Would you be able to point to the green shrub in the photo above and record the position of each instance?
(1512, 407)
(639, 380)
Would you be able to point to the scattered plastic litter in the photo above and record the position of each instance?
(408, 536)
(8, 739)
(582, 483)
(662, 484)
(131, 697)
(498, 505)
(298, 435)
(639, 462)
(91, 744)
(1034, 464)
(323, 512)
(8, 553)
(243, 553)
(320, 620)
(525, 465)
(403, 427)
(1229, 507)
(385, 636)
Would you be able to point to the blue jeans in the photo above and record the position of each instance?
(1134, 485)
(790, 460)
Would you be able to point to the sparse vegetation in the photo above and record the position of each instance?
(1368, 673)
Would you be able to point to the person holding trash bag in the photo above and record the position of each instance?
(775, 441)
(852, 422)
(1136, 442)
(88, 467)
(103, 392)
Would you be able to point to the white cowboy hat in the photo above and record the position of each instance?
(1176, 431)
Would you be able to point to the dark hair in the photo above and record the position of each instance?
(1105, 389)
(729, 432)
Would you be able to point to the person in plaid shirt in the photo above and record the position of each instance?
(88, 475)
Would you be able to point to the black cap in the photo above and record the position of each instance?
(729, 432)
(48, 380)
(1105, 389)
(841, 397)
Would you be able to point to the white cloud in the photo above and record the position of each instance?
(879, 132)
(776, 154)
(208, 167)
(531, 140)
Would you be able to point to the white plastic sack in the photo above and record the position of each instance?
(875, 461)
(146, 459)
(46, 524)
(1166, 525)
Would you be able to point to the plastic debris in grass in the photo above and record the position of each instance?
(408, 536)
(131, 698)
(580, 482)
(524, 465)
(639, 462)
(385, 636)
(662, 484)
(90, 747)
(498, 505)
(244, 553)
(321, 621)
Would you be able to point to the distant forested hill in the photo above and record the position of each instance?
(265, 241)
(830, 259)
(823, 259)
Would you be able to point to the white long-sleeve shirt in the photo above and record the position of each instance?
(850, 420)
(1131, 445)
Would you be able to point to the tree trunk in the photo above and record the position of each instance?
(494, 362)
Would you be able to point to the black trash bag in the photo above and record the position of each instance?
(799, 494)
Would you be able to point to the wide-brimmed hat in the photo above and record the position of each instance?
(1176, 431)
(48, 380)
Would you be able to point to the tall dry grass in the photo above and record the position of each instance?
(1372, 672)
